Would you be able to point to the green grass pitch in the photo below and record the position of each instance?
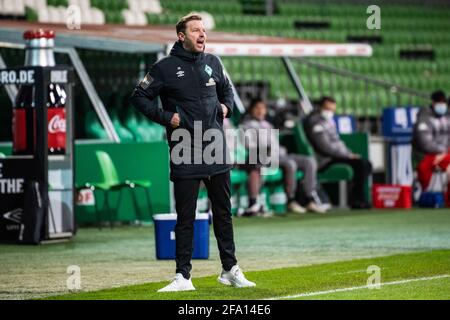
(288, 256)
(424, 275)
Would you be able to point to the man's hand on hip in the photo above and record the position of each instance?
(224, 110)
(175, 121)
(355, 156)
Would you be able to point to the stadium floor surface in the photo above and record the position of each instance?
(125, 256)
(408, 276)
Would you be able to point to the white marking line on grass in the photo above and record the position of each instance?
(357, 271)
(310, 294)
(352, 271)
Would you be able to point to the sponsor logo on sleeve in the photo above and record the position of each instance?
(146, 82)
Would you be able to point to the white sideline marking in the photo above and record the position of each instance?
(310, 294)
(356, 271)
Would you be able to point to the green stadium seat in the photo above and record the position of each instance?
(93, 128)
(57, 3)
(271, 175)
(153, 131)
(132, 124)
(111, 182)
(336, 173)
(124, 134)
(113, 16)
(238, 177)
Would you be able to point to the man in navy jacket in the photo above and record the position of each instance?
(196, 95)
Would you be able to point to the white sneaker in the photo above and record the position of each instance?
(313, 207)
(252, 211)
(293, 206)
(326, 206)
(235, 278)
(264, 214)
(179, 283)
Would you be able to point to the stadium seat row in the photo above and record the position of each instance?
(404, 27)
(226, 7)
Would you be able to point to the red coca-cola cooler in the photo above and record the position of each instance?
(37, 180)
(391, 196)
(39, 52)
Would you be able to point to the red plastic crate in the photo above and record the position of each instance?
(391, 196)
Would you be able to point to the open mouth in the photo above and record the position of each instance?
(200, 41)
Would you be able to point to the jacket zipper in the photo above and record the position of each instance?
(195, 74)
(199, 87)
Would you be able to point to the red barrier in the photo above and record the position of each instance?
(391, 196)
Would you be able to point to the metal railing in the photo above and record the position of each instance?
(392, 87)
(357, 94)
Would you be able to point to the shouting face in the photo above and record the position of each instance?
(194, 38)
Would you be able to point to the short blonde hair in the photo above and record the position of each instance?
(181, 24)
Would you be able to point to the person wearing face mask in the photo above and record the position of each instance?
(322, 133)
(289, 164)
(431, 140)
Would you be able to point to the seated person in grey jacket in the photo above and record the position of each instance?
(289, 164)
(431, 141)
(330, 149)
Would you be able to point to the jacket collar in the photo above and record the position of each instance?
(178, 51)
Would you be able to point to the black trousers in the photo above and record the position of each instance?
(362, 169)
(186, 193)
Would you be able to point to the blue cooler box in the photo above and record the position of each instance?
(432, 200)
(165, 235)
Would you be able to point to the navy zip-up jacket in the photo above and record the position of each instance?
(192, 85)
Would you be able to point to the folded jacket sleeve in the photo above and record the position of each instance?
(145, 94)
(325, 147)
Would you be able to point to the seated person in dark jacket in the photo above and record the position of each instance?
(330, 149)
(431, 140)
